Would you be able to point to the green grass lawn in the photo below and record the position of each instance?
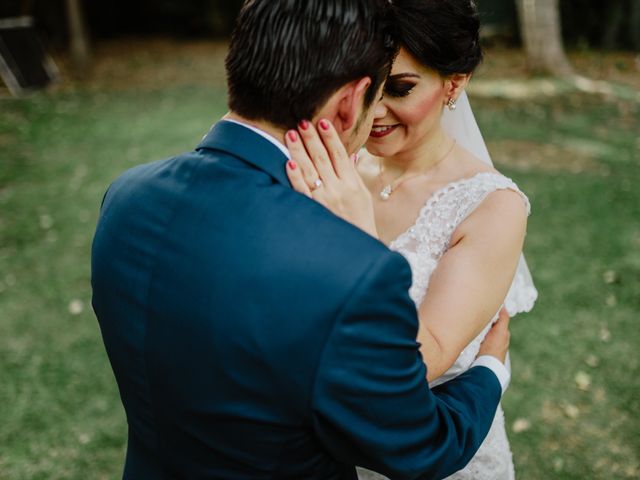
(575, 392)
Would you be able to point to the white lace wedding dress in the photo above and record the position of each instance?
(423, 244)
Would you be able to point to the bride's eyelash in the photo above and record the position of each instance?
(398, 90)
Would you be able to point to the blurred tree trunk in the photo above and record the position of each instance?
(613, 24)
(79, 38)
(634, 24)
(542, 36)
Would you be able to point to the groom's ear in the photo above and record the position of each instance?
(351, 103)
(345, 107)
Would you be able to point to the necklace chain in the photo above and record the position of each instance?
(391, 187)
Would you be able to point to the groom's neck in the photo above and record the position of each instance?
(276, 132)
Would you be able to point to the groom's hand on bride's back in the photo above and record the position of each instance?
(496, 343)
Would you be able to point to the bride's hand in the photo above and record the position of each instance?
(321, 169)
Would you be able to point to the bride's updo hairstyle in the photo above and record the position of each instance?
(443, 35)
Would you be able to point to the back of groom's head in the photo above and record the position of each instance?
(287, 57)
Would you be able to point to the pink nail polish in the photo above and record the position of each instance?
(324, 125)
(293, 135)
(304, 125)
(292, 165)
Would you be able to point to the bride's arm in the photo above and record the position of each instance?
(472, 279)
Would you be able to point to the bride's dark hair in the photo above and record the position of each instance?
(443, 35)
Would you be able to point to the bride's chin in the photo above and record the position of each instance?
(378, 148)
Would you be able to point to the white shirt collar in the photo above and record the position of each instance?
(263, 134)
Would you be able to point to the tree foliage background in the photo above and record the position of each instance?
(585, 23)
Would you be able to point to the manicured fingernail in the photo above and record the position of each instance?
(292, 165)
(304, 125)
(293, 135)
(324, 125)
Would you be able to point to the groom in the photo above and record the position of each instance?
(253, 334)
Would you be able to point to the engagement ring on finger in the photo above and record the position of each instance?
(317, 184)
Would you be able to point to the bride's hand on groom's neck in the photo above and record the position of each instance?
(321, 168)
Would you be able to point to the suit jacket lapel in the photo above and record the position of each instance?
(249, 146)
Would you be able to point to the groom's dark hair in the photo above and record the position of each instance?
(287, 57)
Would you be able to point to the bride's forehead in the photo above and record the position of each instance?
(406, 63)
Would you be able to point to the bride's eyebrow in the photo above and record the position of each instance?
(400, 76)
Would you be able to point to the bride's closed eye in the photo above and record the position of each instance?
(398, 89)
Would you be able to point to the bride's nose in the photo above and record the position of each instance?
(380, 111)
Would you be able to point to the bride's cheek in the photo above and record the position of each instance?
(425, 108)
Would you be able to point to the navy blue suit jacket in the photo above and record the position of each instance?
(255, 335)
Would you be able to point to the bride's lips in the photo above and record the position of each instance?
(379, 131)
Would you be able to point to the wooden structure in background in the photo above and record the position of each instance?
(24, 64)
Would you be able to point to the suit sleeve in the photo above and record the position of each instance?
(371, 403)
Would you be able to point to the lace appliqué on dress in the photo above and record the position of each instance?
(426, 241)
(423, 245)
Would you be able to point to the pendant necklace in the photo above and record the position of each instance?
(391, 187)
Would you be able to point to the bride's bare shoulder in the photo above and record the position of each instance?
(472, 164)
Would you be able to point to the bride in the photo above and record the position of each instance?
(425, 186)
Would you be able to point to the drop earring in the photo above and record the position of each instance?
(451, 104)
